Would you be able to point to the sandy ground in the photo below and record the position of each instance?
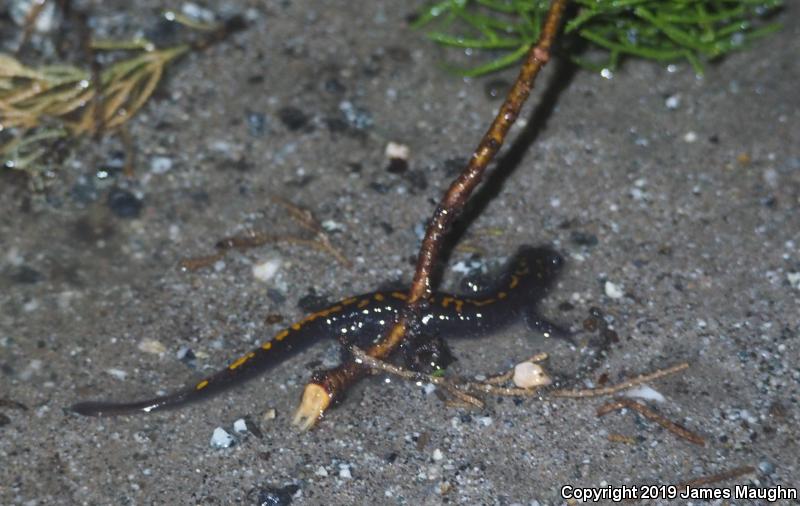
(680, 223)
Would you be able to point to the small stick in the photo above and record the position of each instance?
(651, 415)
(715, 478)
(598, 392)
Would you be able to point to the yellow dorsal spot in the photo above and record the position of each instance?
(459, 304)
(363, 303)
(502, 295)
(399, 295)
(349, 300)
(251, 354)
(266, 346)
(483, 302)
(281, 335)
(239, 362)
(296, 326)
(201, 385)
(514, 282)
(379, 297)
(334, 309)
(446, 301)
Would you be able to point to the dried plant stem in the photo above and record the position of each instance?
(336, 381)
(716, 478)
(254, 239)
(610, 390)
(651, 415)
(465, 390)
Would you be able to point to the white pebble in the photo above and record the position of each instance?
(530, 375)
(344, 471)
(152, 346)
(646, 393)
(117, 373)
(485, 420)
(321, 471)
(397, 150)
(266, 270)
(160, 164)
(673, 101)
(240, 426)
(437, 455)
(794, 279)
(429, 388)
(221, 439)
(690, 137)
(614, 291)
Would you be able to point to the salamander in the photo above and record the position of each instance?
(361, 319)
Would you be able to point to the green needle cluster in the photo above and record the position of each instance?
(661, 30)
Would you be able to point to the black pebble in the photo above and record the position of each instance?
(293, 118)
(26, 275)
(124, 204)
(397, 165)
(583, 238)
(272, 496)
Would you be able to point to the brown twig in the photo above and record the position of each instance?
(465, 391)
(597, 392)
(253, 239)
(715, 478)
(334, 382)
(651, 415)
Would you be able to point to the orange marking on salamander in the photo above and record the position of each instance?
(296, 326)
(502, 295)
(349, 300)
(364, 303)
(281, 335)
(239, 362)
(266, 346)
(379, 297)
(483, 302)
(514, 282)
(399, 295)
(201, 385)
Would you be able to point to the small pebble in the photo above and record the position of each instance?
(645, 392)
(160, 164)
(117, 373)
(321, 471)
(256, 123)
(437, 455)
(690, 137)
(270, 414)
(397, 150)
(293, 118)
(673, 102)
(485, 420)
(794, 279)
(221, 439)
(124, 204)
(240, 426)
(612, 290)
(766, 467)
(529, 375)
(266, 270)
(344, 471)
(152, 346)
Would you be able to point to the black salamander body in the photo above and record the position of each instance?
(362, 319)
